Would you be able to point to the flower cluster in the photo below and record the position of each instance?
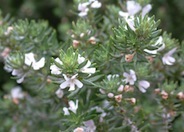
(84, 7)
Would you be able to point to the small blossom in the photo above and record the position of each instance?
(78, 129)
(5, 52)
(20, 74)
(164, 94)
(121, 88)
(146, 9)
(82, 35)
(159, 44)
(130, 78)
(102, 91)
(131, 100)
(157, 91)
(150, 58)
(54, 69)
(143, 85)
(167, 59)
(8, 31)
(90, 126)
(129, 57)
(96, 4)
(133, 7)
(110, 95)
(75, 43)
(118, 98)
(59, 93)
(71, 82)
(92, 40)
(128, 88)
(72, 107)
(86, 68)
(83, 8)
(180, 95)
(30, 61)
(16, 94)
(110, 77)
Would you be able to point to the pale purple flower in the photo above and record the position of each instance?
(71, 82)
(59, 93)
(167, 59)
(83, 8)
(96, 4)
(146, 9)
(130, 77)
(54, 69)
(143, 85)
(89, 126)
(30, 61)
(16, 93)
(133, 7)
(72, 107)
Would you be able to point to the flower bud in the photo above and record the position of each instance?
(120, 89)
(10, 28)
(75, 43)
(110, 95)
(128, 88)
(131, 100)
(79, 129)
(82, 35)
(157, 91)
(118, 98)
(92, 40)
(150, 58)
(5, 52)
(164, 95)
(129, 57)
(180, 95)
(102, 91)
(73, 36)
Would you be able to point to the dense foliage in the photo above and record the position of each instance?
(91, 65)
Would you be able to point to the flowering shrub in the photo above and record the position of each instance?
(115, 71)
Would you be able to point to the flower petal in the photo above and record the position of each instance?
(64, 85)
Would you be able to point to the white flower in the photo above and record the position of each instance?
(159, 44)
(54, 69)
(30, 61)
(130, 22)
(133, 7)
(90, 126)
(20, 75)
(8, 31)
(82, 7)
(110, 76)
(143, 85)
(59, 93)
(71, 82)
(96, 4)
(167, 59)
(130, 78)
(86, 68)
(146, 9)
(72, 107)
(16, 93)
